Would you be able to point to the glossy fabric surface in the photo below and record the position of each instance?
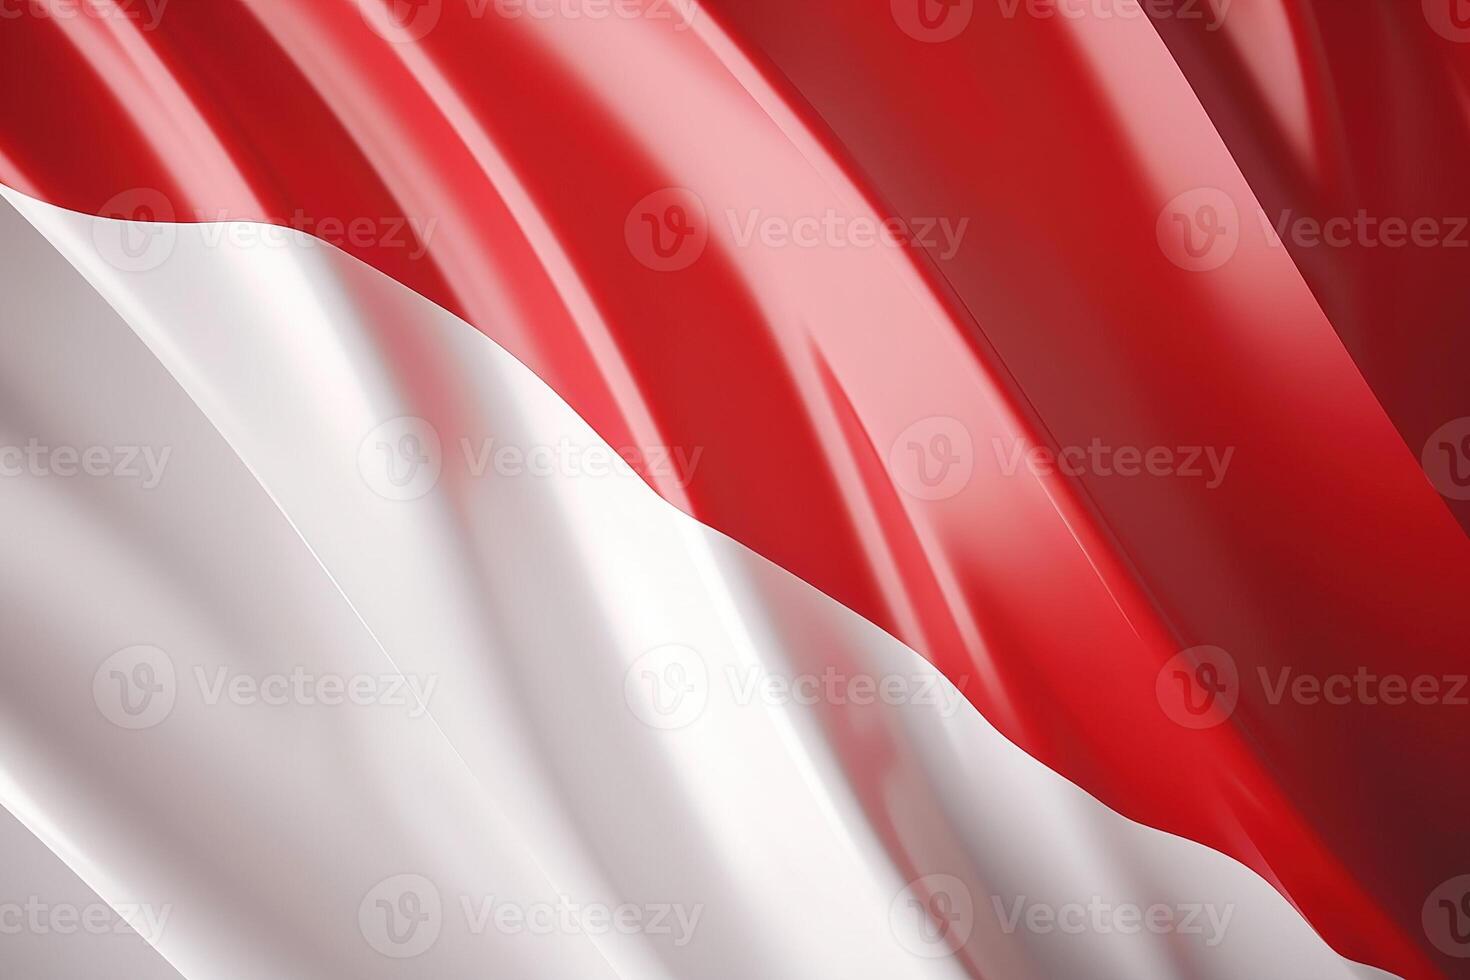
(515, 170)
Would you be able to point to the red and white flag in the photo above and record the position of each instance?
(657, 489)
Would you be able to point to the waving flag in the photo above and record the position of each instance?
(637, 488)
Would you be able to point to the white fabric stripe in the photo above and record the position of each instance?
(598, 729)
(261, 827)
(53, 927)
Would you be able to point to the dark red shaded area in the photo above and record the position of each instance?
(1383, 97)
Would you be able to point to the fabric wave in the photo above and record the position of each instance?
(853, 269)
(594, 717)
